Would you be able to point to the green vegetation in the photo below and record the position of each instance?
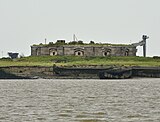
(58, 43)
(80, 61)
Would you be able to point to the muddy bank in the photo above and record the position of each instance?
(34, 72)
(26, 72)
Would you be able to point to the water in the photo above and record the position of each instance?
(131, 100)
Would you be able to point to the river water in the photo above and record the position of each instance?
(131, 100)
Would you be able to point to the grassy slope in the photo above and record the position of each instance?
(75, 60)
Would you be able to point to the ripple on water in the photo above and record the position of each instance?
(80, 100)
(93, 120)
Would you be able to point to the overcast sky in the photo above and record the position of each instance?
(27, 22)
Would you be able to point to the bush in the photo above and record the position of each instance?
(6, 59)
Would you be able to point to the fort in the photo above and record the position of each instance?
(63, 60)
(78, 48)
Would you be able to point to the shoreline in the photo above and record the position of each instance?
(49, 72)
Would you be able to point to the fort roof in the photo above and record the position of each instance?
(80, 43)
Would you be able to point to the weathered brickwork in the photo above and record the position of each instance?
(84, 50)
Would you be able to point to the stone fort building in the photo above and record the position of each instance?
(78, 48)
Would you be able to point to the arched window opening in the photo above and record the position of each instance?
(105, 53)
(79, 53)
(108, 53)
(52, 53)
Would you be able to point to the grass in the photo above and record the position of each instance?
(80, 61)
(83, 44)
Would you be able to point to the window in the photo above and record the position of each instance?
(79, 53)
(52, 53)
(105, 53)
(108, 53)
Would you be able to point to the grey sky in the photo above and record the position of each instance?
(27, 22)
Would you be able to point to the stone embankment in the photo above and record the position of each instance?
(153, 72)
(34, 72)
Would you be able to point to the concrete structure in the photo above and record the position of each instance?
(83, 50)
(80, 49)
(142, 43)
(13, 55)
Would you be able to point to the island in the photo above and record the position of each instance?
(76, 59)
